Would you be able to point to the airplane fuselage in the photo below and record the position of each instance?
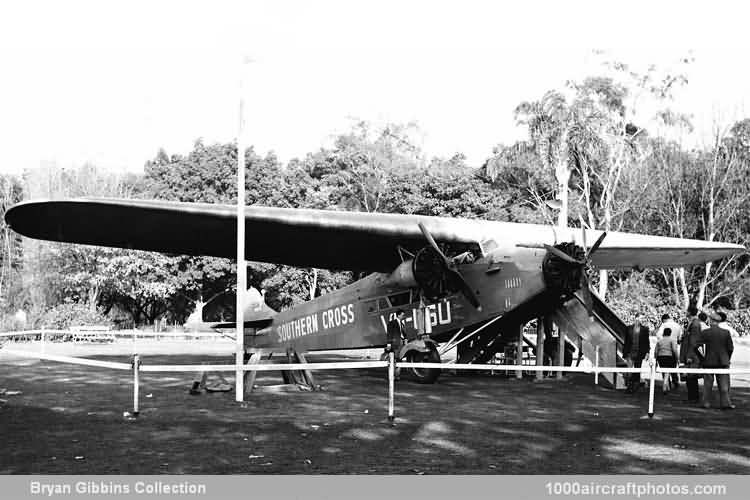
(356, 316)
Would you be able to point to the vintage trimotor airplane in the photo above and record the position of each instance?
(463, 273)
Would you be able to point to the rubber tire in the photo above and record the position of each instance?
(423, 375)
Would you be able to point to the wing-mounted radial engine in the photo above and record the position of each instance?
(578, 261)
(433, 272)
(562, 267)
(565, 267)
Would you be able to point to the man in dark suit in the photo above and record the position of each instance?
(689, 355)
(719, 348)
(395, 331)
(396, 337)
(636, 348)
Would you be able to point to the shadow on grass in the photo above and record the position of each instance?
(69, 420)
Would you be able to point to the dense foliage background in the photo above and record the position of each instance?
(609, 148)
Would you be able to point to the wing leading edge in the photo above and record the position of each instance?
(319, 238)
(298, 237)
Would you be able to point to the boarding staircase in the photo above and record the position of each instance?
(603, 330)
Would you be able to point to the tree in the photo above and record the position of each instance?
(552, 125)
(594, 139)
(208, 174)
(11, 248)
(142, 283)
(723, 197)
(357, 171)
(290, 286)
(61, 273)
(454, 193)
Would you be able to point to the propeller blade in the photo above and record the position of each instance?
(529, 245)
(466, 289)
(562, 255)
(433, 244)
(583, 234)
(588, 301)
(450, 270)
(596, 245)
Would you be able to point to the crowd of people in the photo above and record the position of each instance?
(705, 342)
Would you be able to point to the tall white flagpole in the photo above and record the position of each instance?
(241, 267)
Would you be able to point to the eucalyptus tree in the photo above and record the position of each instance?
(11, 248)
(594, 138)
(724, 194)
(552, 124)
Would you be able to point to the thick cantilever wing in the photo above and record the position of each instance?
(322, 238)
(298, 237)
(624, 250)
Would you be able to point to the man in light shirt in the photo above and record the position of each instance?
(668, 323)
(666, 354)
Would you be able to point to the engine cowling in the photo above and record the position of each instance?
(561, 275)
(426, 271)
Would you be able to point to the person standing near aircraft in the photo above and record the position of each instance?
(668, 323)
(395, 331)
(689, 355)
(636, 348)
(726, 326)
(396, 337)
(719, 349)
(666, 354)
(704, 320)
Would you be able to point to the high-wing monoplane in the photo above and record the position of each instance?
(457, 279)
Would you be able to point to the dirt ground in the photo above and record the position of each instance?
(69, 419)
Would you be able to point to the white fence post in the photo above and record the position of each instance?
(391, 376)
(596, 366)
(519, 352)
(560, 351)
(540, 333)
(43, 341)
(652, 381)
(136, 388)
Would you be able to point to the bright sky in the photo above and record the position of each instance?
(112, 82)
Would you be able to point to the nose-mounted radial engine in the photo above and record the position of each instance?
(433, 272)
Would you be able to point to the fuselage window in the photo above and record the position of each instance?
(400, 299)
(372, 306)
(383, 303)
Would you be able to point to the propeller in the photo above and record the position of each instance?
(562, 255)
(596, 244)
(450, 269)
(588, 300)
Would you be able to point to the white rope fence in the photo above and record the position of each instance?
(69, 359)
(34, 333)
(136, 366)
(110, 333)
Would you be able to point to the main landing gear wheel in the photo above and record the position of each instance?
(424, 375)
